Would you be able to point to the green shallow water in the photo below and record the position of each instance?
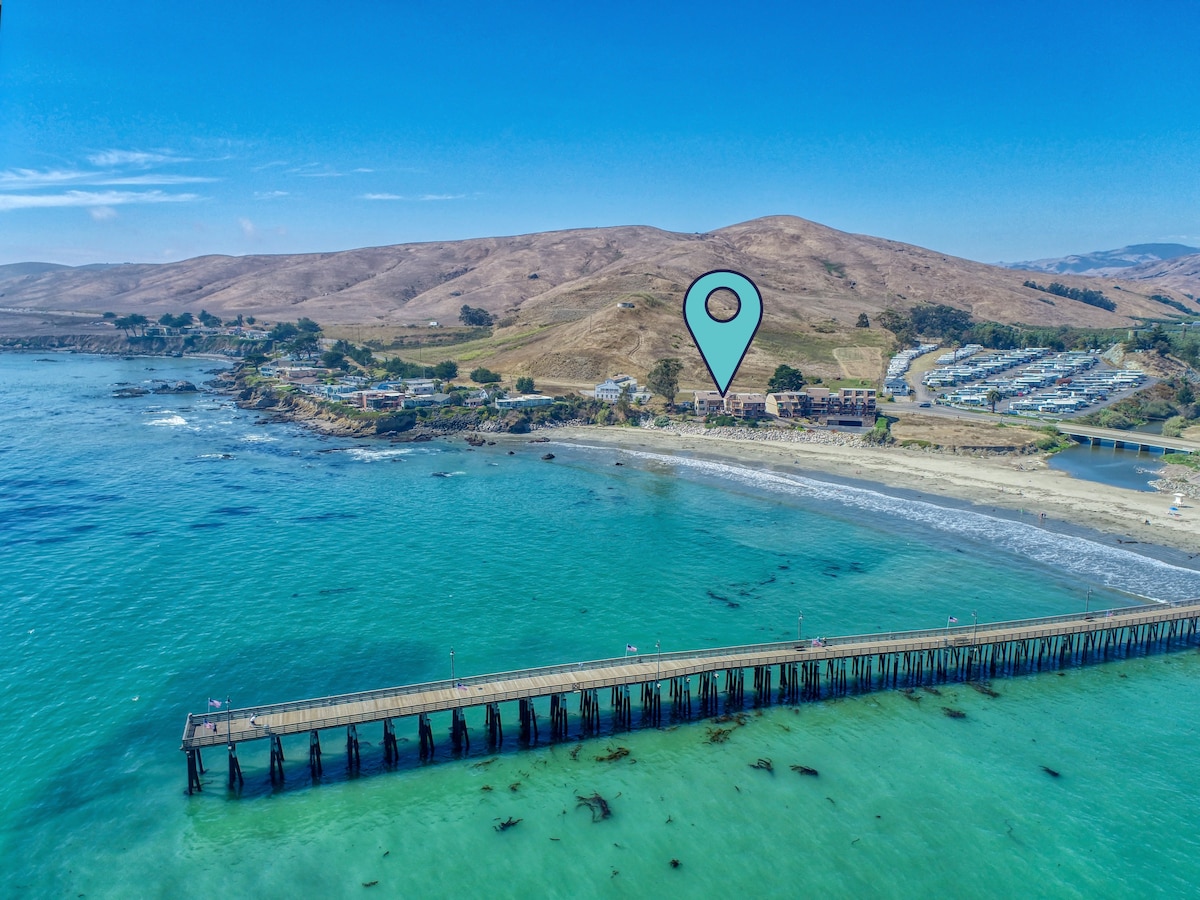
(168, 548)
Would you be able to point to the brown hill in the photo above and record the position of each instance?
(1181, 274)
(556, 294)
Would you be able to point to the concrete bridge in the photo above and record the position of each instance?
(1132, 440)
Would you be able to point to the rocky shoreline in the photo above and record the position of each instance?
(289, 406)
(403, 427)
(110, 344)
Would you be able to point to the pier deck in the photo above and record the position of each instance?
(957, 644)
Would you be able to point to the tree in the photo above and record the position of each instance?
(484, 375)
(361, 355)
(180, 321)
(993, 397)
(446, 370)
(333, 359)
(623, 399)
(208, 320)
(134, 322)
(398, 368)
(284, 331)
(664, 379)
(525, 385)
(863, 321)
(305, 344)
(307, 325)
(786, 379)
(471, 315)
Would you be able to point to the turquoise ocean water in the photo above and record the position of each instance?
(161, 550)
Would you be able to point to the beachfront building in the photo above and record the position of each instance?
(475, 399)
(850, 407)
(706, 402)
(786, 404)
(372, 399)
(746, 406)
(609, 391)
(423, 401)
(524, 401)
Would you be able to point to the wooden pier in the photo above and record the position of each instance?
(784, 672)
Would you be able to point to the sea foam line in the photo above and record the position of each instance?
(1091, 562)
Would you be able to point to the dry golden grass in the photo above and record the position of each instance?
(964, 435)
(556, 295)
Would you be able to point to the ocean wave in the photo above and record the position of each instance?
(169, 421)
(370, 454)
(259, 438)
(1091, 562)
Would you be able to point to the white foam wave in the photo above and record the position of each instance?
(1093, 563)
(168, 421)
(370, 454)
(259, 438)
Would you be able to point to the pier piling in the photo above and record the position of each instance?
(827, 669)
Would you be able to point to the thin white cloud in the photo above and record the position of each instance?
(31, 178)
(154, 179)
(102, 213)
(89, 198)
(11, 179)
(248, 228)
(364, 170)
(133, 158)
(421, 198)
(269, 195)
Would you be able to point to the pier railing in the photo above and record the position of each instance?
(807, 671)
(1014, 630)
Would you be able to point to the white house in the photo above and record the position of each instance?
(524, 401)
(610, 390)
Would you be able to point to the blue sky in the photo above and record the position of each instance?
(150, 131)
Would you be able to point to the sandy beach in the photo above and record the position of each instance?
(1015, 483)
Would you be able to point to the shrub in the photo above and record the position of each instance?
(484, 375)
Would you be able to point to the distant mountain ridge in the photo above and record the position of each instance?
(575, 306)
(1106, 262)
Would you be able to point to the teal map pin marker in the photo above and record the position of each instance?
(722, 345)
